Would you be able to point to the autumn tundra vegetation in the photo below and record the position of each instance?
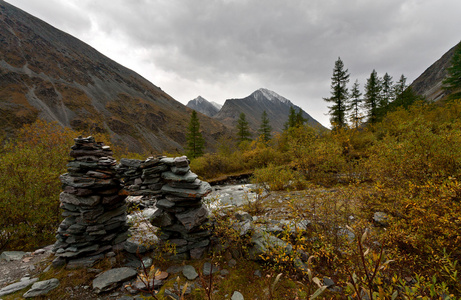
(401, 158)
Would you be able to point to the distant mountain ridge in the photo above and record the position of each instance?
(277, 108)
(429, 84)
(208, 108)
(49, 74)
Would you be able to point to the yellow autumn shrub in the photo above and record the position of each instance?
(29, 194)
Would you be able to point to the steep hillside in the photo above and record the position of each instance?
(276, 107)
(48, 74)
(429, 84)
(204, 106)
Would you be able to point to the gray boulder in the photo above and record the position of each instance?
(237, 296)
(189, 272)
(208, 269)
(41, 288)
(263, 242)
(244, 227)
(243, 216)
(381, 219)
(12, 255)
(17, 286)
(110, 279)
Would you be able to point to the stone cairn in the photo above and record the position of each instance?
(93, 207)
(180, 215)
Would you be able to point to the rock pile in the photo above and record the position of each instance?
(94, 210)
(178, 193)
(142, 178)
(181, 213)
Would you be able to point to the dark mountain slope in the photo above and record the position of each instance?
(48, 74)
(276, 107)
(204, 106)
(429, 84)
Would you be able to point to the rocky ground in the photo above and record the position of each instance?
(232, 272)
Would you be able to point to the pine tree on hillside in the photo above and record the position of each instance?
(339, 95)
(195, 141)
(243, 129)
(452, 82)
(355, 102)
(295, 119)
(405, 99)
(265, 129)
(372, 97)
(300, 120)
(387, 91)
(400, 86)
(291, 119)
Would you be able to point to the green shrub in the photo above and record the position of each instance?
(29, 194)
(277, 178)
(213, 165)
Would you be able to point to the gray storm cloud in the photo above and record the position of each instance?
(227, 49)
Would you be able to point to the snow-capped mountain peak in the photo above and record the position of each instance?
(204, 106)
(217, 105)
(270, 95)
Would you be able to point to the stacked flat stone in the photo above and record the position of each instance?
(142, 178)
(177, 194)
(181, 215)
(94, 210)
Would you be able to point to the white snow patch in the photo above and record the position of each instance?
(217, 105)
(273, 96)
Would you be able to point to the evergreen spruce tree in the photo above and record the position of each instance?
(291, 119)
(299, 118)
(295, 119)
(452, 82)
(405, 99)
(265, 129)
(243, 129)
(195, 141)
(400, 86)
(387, 91)
(339, 95)
(355, 102)
(372, 97)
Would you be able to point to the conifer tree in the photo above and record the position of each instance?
(300, 120)
(372, 96)
(295, 119)
(243, 129)
(453, 80)
(265, 129)
(291, 119)
(355, 102)
(339, 95)
(195, 141)
(400, 86)
(387, 91)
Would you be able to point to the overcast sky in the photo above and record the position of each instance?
(230, 48)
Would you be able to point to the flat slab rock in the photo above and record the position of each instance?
(189, 272)
(202, 191)
(12, 255)
(237, 296)
(41, 288)
(17, 286)
(110, 279)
